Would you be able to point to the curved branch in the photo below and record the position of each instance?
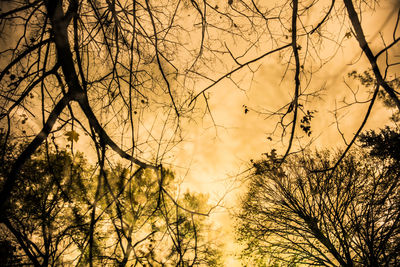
(22, 55)
(30, 149)
(21, 242)
(19, 9)
(236, 69)
(387, 48)
(356, 134)
(324, 19)
(65, 59)
(84, 104)
(158, 58)
(30, 87)
(359, 33)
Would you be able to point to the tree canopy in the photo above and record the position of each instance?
(124, 80)
(295, 213)
(67, 211)
(134, 69)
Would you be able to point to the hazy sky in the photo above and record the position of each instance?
(216, 152)
(215, 155)
(211, 158)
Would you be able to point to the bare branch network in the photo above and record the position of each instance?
(126, 77)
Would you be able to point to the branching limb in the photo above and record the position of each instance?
(30, 149)
(359, 33)
(238, 68)
(295, 103)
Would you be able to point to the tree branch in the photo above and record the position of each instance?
(367, 51)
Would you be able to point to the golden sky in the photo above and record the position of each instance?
(214, 153)
(219, 154)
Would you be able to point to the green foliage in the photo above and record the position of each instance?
(47, 210)
(132, 216)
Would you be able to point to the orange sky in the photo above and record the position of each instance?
(218, 154)
(210, 158)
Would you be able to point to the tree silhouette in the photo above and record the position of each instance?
(101, 67)
(349, 217)
(67, 212)
(122, 77)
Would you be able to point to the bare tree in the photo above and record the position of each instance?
(123, 75)
(95, 67)
(78, 68)
(346, 218)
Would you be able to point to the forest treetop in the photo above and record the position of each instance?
(128, 74)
